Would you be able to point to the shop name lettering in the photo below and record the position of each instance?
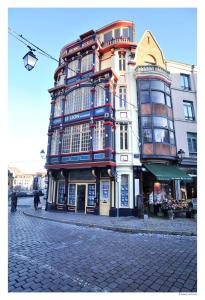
(76, 117)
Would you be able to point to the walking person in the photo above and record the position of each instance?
(14, 200)
(36, 200)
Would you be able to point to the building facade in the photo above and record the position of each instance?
(112, 124)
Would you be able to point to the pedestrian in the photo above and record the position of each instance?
(36, 200)
(14, 200)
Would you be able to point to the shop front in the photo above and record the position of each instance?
(163, 189)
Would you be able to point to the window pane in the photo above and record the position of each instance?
(168, 100)
(122, 96)
(146, 122)
(171, 125)
(108, 36)
(160, 122)
(188, 110)
(157, 97)
(157, 85)
(125, 32)
(71, 198)
(117, 33)
(167, 89)
(172, 139)
(144, 84)
(144, 97)
(147, 135)
(161, 136)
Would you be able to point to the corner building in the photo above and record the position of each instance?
(111, 123)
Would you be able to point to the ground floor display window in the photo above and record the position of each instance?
(124, 190)
(71, 194)
(91, 195)
(61, 192)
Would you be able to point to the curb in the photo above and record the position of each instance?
(118, 229)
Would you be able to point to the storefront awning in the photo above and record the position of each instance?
(163, 172)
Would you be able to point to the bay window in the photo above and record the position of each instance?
(87, 62)
(73, 68)
(99, 96)
(58, 107)
(161, 136)
(55, 142)
(99, 136)
(77, 100)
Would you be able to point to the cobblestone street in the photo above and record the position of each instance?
(47, 256)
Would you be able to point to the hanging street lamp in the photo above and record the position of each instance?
(180, 155)
(30, 59)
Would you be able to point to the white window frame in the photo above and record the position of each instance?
(124, 137)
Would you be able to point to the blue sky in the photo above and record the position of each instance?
(52, 28)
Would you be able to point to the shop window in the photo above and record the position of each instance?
(105, 190)
(160, 122)
(146, 122)
(185, 81)
(157, 85)
(124, 190)
(161, 136)
(61, 192)
(188, 110)
(107, 36)
(147, 135)
(144, 97)
(157, 97)
(91, 195)
(192, 143)
(122, 96)
(72, 193)
(123, 137)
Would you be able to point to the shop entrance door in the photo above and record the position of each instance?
(81, 192)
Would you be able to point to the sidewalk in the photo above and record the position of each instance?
(178, 226)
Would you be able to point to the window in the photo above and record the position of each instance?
(144, 97)
(144, 84)
(105, 190)
(107, 36)
(124, 137)
(125, 32)
(124, 190)
(55, 142)
(87, 62)
(168, 100)
(76, 138)
(160, 122)
(146, 122)
(61, 191)
(77, 100)
(167, 89)
(99, 96)
(58, 108)
(161, 135)
(72, 192)
(185, 81)
(91, 194)
(188, 110)
(73, 68)
(99, 136)
(157, 97)
(122, 96)
(171, 124)
(147, 135)
(157, 85)
(122, 61)
(171, 137)
(117, 33)
(192, 143)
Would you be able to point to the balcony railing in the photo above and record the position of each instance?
(116, 41)
(153, 69)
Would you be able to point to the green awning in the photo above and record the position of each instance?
(163, 172)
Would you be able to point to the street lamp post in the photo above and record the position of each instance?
(180, 155)
(30, 59)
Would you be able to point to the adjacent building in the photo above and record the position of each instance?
(112, 136)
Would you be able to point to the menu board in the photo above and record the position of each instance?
(61, 192)
(71, 198)
(124, 195)
(91, 194)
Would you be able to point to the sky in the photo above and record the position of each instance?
(52, 28)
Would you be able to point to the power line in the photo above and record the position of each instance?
(21, 39)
